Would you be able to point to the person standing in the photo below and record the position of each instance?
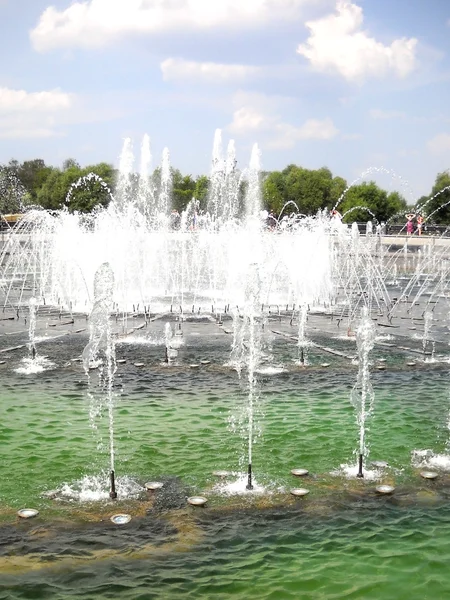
(409, 224)
(419, 224)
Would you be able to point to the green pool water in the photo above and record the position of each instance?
(176, 424)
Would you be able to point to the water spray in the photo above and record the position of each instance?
(101, 343)
(362, 394)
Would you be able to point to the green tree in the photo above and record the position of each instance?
(396, 204)
(93, 188)
(52, 193)
(274, 193)
(59, 190)
(13, 195)
(69, 163)
(33, 174)
(367, 199)
(201, 190)
(182, 191)
(309, 189)
(338, 187)
(438, 208)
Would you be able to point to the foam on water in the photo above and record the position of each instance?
(270, 370)
(141, 340)
(238, 486)
(427, 458)
(31, 366)
(350, 472)
(94, 488)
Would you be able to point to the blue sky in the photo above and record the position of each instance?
(348, 85)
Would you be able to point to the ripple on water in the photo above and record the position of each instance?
(178, 424)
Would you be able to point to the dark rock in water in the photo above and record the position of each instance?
(81, 540)
(173, 495)
(10, 536)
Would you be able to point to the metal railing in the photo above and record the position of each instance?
(428, 229)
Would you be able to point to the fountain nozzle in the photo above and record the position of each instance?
(360, 466)
(249, 485)
(112, 493)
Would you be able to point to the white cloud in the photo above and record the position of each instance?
(16, 131)
(315, 129)
(440, 144)
(178, 69)
(20, 100)
(31, 114)
(338, 44)
(94, 23)
(248, 120)
(377, 113)
(260, 119)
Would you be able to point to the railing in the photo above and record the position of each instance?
(427, 229)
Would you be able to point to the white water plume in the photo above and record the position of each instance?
(101, 346)
(146, 191)
(165, 190)
(362, 395)
(246, 353)
(124, 188)
(33, 308)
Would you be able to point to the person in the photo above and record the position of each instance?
(409, 224)
(419, 224)
(336, 220)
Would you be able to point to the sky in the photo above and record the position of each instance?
(347, 85)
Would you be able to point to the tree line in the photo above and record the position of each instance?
(294, 189)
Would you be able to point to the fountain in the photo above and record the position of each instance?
(246, 353)
(32, 327)
(101, 348)
(212, 319)
(362, 393)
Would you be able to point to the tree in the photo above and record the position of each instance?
(366, 200)
(438, 208)
(294, 189)
(201, 190)
(274, 193)
(51, 194)
(338, 187)
(69, 163)
(396, 205)
(13, 195)
(310, 190)
(92, 188)
(33, 174)
(183, 190)
(76, 188)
